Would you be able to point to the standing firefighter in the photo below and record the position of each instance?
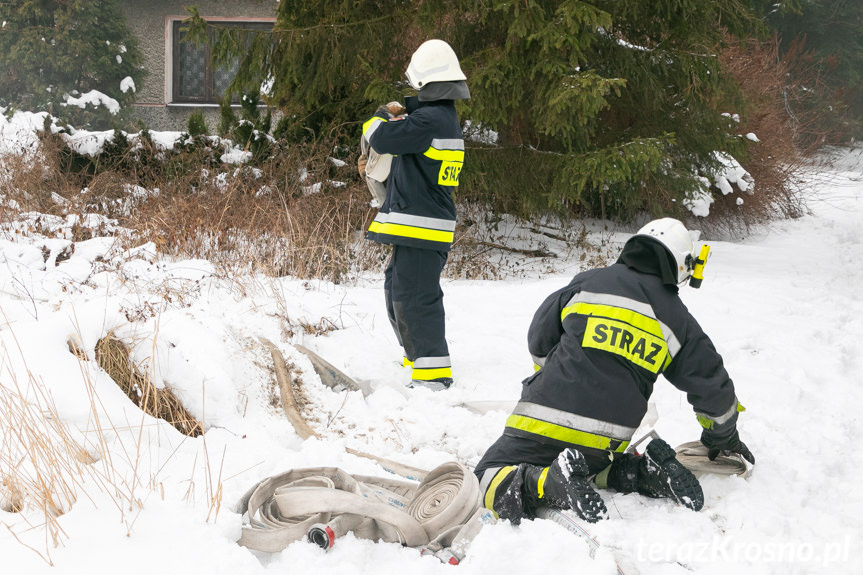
(599, 345)
(418, 214)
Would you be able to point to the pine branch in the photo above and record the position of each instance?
(195, 19)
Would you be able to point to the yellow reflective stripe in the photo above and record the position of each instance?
(371, 121)
(560, 433)
(704, 421)
(573, 420)
(416, 221)
(540, 484)
(411, 232)
(538, 362)
(406, 362)
(448, 173)
(601, 478)
(707, 422)
(488, 500)
(633, 318)
(428, 374)
(625, 303)
(641, 348)
(445, 155)
(627, 333)
(451, 164)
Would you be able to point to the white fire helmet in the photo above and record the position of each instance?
(676, 238)
(433, 61)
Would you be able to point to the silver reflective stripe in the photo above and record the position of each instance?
(414, 72)
(432, 362)
(487, 478)
(725, 417)
(372, 128)
(636, 306)
(540, 361)
(453, 144)
(415, 221)
(573, 421)
(671, 339)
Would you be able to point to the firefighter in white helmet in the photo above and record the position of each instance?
(599, 345)
(418, 214)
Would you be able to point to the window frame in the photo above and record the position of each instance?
(172, 61)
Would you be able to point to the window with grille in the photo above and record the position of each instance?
(195, 78)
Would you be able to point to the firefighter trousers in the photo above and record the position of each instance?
(414, 301)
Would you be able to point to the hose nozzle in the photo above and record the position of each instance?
(324, 535)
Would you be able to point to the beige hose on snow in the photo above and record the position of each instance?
(693, 456)
(286, 392)
(441, 515)
(320, 503)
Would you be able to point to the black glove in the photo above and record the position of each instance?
(730, 444)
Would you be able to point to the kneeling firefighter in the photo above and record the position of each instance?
(599, 345)
(418, 214)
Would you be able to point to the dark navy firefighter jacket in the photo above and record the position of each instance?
(601, 342)
(428, 145)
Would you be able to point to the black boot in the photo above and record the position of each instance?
(564, 485)
(661, 475)
(622, 475)
(508, 500)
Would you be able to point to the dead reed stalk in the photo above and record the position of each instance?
(42, 464)
(112, 355)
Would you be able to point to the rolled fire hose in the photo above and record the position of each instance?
(693, 456)
(377, 171)
(378, 165)
(442, 514)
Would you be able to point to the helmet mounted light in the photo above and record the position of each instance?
(677, 240)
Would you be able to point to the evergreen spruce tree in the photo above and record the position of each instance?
(50, 48)
(625, 96)
(326, 61)
(602, 107)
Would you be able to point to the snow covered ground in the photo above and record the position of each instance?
(782, 306)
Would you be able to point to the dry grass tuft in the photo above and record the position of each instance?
(300, 213)
(113, 356)
(41, 459)
(47, 466)
(43, 464)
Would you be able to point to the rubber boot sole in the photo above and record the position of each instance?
(585, 501)
(684, 486)
(583, 498)
(433, 384)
